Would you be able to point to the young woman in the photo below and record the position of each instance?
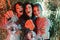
(28, 13)
(37, 10)
(18, 8)
(28, 10)
(42, 23)
(28, 17)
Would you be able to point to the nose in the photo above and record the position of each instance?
(36, 12)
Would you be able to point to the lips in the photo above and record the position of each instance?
(28, 11)
(20, 11)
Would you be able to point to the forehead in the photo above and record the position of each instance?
(28, 5)
(35, 7)
(17, 5)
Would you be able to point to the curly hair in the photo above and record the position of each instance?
(20, 3)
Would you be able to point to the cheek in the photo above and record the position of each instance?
(30, 9)
(17, 10)
(38, 12)
(34, 13)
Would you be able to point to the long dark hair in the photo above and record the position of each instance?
(20, 3)
(26, 3)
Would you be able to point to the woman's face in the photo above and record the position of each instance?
(36, 11)
(28, 10)
(19, 10)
